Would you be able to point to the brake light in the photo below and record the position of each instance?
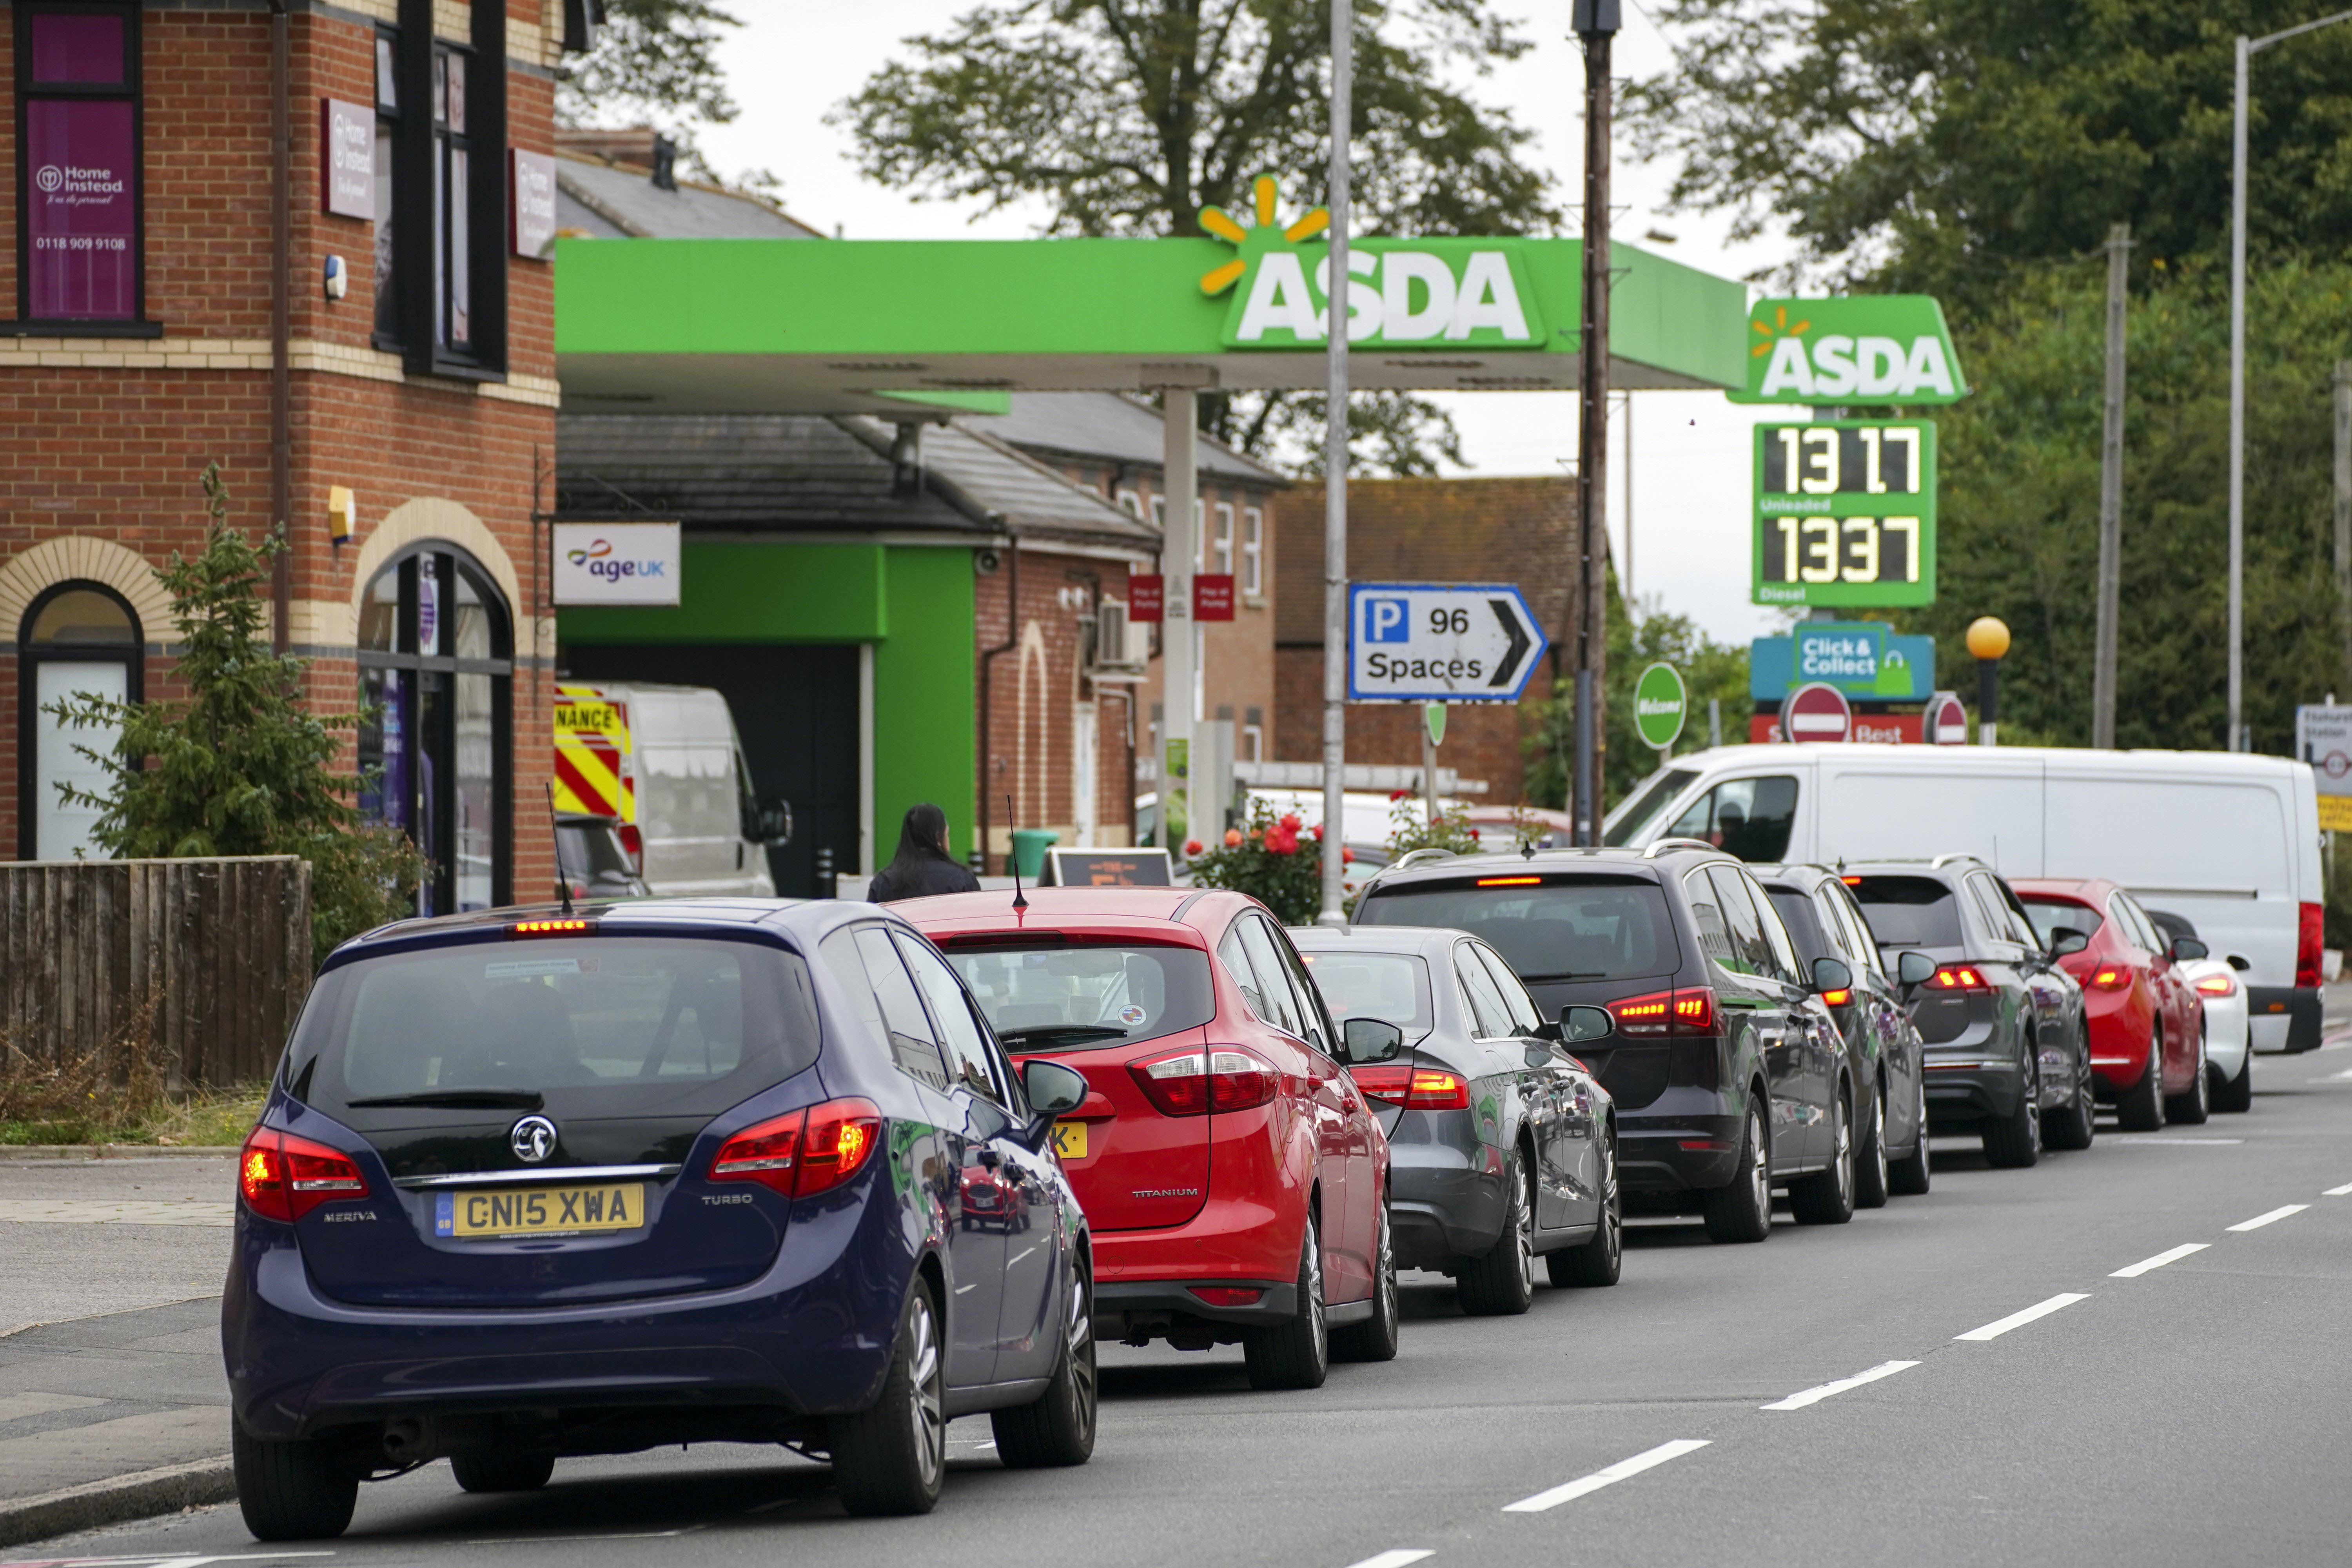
(1837, 998)
(1695, 1012)
(283, 1177)
(1227, 1295)
(1851, 881)
(1508, 882)
(2307, 939)
(2109, 977)
(633, 843)
(551, 928)
(1958, 977)
(1684, 1011)
(2218, 986)
(1414, 1088)
(805, 1151)
(1193, 1083)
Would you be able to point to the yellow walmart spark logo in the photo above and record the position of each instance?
(1220, 223)
(1779, 328)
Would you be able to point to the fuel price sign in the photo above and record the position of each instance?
(1845, 513)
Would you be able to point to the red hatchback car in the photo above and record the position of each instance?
(2135, 998)
(1234, 1177)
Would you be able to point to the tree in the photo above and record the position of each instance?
(656, 63)
(1126, 116)
(242, 767)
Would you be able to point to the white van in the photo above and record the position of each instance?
(665, 761)
(2229, 841)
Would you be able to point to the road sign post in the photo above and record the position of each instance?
(1440, 642)
(2323, 737)
(1661, 705)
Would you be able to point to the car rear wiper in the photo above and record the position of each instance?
(455, 1100)
(1075, 1034)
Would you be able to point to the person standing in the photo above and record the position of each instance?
(923, 866)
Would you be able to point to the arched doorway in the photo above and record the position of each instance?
(78, 639)
(436, 672)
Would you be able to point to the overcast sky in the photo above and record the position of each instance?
(1691, 469)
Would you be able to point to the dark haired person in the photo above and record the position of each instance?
(923, 865)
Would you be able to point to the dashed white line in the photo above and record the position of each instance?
(2338, 1192)
(1394, 1557)
(1993, 1331)
(2148, 1265)
(2273, 1218)
(1816, 1394)
(1648, 1459)
(2133, 1140)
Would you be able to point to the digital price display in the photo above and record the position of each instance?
(1845, 513)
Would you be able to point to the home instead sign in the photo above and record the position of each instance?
(348, 139)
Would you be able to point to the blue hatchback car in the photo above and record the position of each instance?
(531, 1184)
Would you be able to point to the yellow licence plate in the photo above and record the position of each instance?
(539, 1211)
(1070, 1140)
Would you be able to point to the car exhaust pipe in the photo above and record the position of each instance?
(410, 1440)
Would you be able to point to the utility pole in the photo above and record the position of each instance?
(2344, 507)
(1335, 472)
(2111, 496)
(1595, 22)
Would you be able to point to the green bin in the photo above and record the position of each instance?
(1029, 845)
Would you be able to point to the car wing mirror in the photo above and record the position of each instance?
(1582, 1025)
(2067, 938)
(1367, 1041)
(1052, 1088)
(1831, 974)
(1914, 968)
(2239, 961)
(2187, 950)
(772, 820)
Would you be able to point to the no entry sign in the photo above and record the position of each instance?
(1817, 712)
(1947, 721)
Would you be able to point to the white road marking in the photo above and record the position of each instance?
(1394, 1557)
(89, 1211)
(1647, 1459)
(17, 1406)
(2338, 1192)
(2334, 1077)
(2133, 1140)
(1815, 1395)
(2148, 1265)
(155, 1557)
(555, 1539)
(2275, 1214)
(1993, 1331)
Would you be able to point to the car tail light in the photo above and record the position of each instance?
(802, 1152)
(1193, 1083)
(2307, 937)
(1959, 977)
(1682, 1012)
(633, 843)
(1414, 1088)
(1837, 998)
(283, 1177)
(2218, 986)
(1227, 1295)
(2110, 977)
(1695, 1011)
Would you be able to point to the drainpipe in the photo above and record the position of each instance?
(988, 659)
(281, 263)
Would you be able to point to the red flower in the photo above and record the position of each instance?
(1400, 794)
(1317, 831)
(1474, 833)
(1289, 823)
(1191, 846)
(1347, 856)
(1233, 837)
(1282, 841)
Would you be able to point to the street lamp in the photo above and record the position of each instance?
(1988, 641)
(2247, 49)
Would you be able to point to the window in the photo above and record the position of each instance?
(868, 968)
(1910, 911)
(1751, 950)
(1310, 1001)
(1490, 1016)
(1609, 928)
(1747, 817)
(1132, 504)
(958, 1028)
(441, 196)
(1252, 742)
(2142, 932)
(81, 256)
(436, 753)
(1073, 997)
(1995, 909)
(1281, 1008)
(1359, 984)
(1221, 554)
(387, 136)
(1785, 963)
(1524, 1011)
(1632, 819)
(1252, 552)
(77, 640)
(1859, 939)
(2050, 916)
(1237, 964)
(453, 150)
(1160, 515)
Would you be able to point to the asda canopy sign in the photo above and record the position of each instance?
(1878, 348)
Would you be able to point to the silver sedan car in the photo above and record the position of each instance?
(1503, 1146)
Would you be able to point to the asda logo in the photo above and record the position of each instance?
(1881, 348)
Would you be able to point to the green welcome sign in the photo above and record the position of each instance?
(1660, 702)
(1872, 348)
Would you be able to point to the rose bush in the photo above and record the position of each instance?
(1275, 862)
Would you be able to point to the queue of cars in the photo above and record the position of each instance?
(531, 1184)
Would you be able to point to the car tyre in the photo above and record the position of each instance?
(1375, 1339)
(1500, 1282)
(1296, 1354)
(502, 1471)
(1910, 1177)
(1600, 1260)
(2140, 1108)
(2078, 1124)
(2015, 1140)
(2232, 1095)
(290, 1492)
(1870, 1165)
(1826, 1197)
(1742, 1211)
(1058, 1426)
(2194, 1104)
(892, 1458)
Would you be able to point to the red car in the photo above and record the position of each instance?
(1234, 1177)
(2134, 996)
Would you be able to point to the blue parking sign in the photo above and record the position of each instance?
(1387, 620)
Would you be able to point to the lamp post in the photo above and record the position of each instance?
(1988, 640)
(1335, 475)
(2247, 49)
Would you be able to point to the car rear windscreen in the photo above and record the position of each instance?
(596, 1026)
(1390, 985)
(1561, 928)
(1909, 911)
(2050, 914)
(1074, 996)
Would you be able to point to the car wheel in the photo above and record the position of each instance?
(2195, 1103)
(1870, 1172)
(2015, 1140)
(1375, 1339)
(1826, 1197)
(290, 1492)
(2074, 1126)
(1296, 1354)
(2140, 1108)
(1058, 1426)
(1909, 1177)
(1600, 1260)
(1501, 1280)
(1742, 1210)
(893, 1457)
(2232, 1095)
(502, 1471)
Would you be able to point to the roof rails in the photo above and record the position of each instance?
(1940, 861)
(1663, 843)
(1413, 857)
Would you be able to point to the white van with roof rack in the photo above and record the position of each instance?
(2230, 841)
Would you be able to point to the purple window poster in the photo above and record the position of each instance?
(82, 209)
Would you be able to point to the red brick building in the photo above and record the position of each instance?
(405, 354)
(1519, 530)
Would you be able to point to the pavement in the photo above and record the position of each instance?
(2132, 1353)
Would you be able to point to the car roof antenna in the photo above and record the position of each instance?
(555, 837)
(1012, 858)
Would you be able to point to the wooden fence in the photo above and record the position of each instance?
(216, 953)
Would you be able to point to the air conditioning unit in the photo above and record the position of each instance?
(1121, 648)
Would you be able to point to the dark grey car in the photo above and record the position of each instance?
(1503, 1146)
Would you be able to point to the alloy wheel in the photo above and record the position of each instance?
(1760, 1166)
(1523, 1241)
(1612, 1204)
(927, 1403)
(1081, 1352)
(1844, 1157)
(1878, 1145)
